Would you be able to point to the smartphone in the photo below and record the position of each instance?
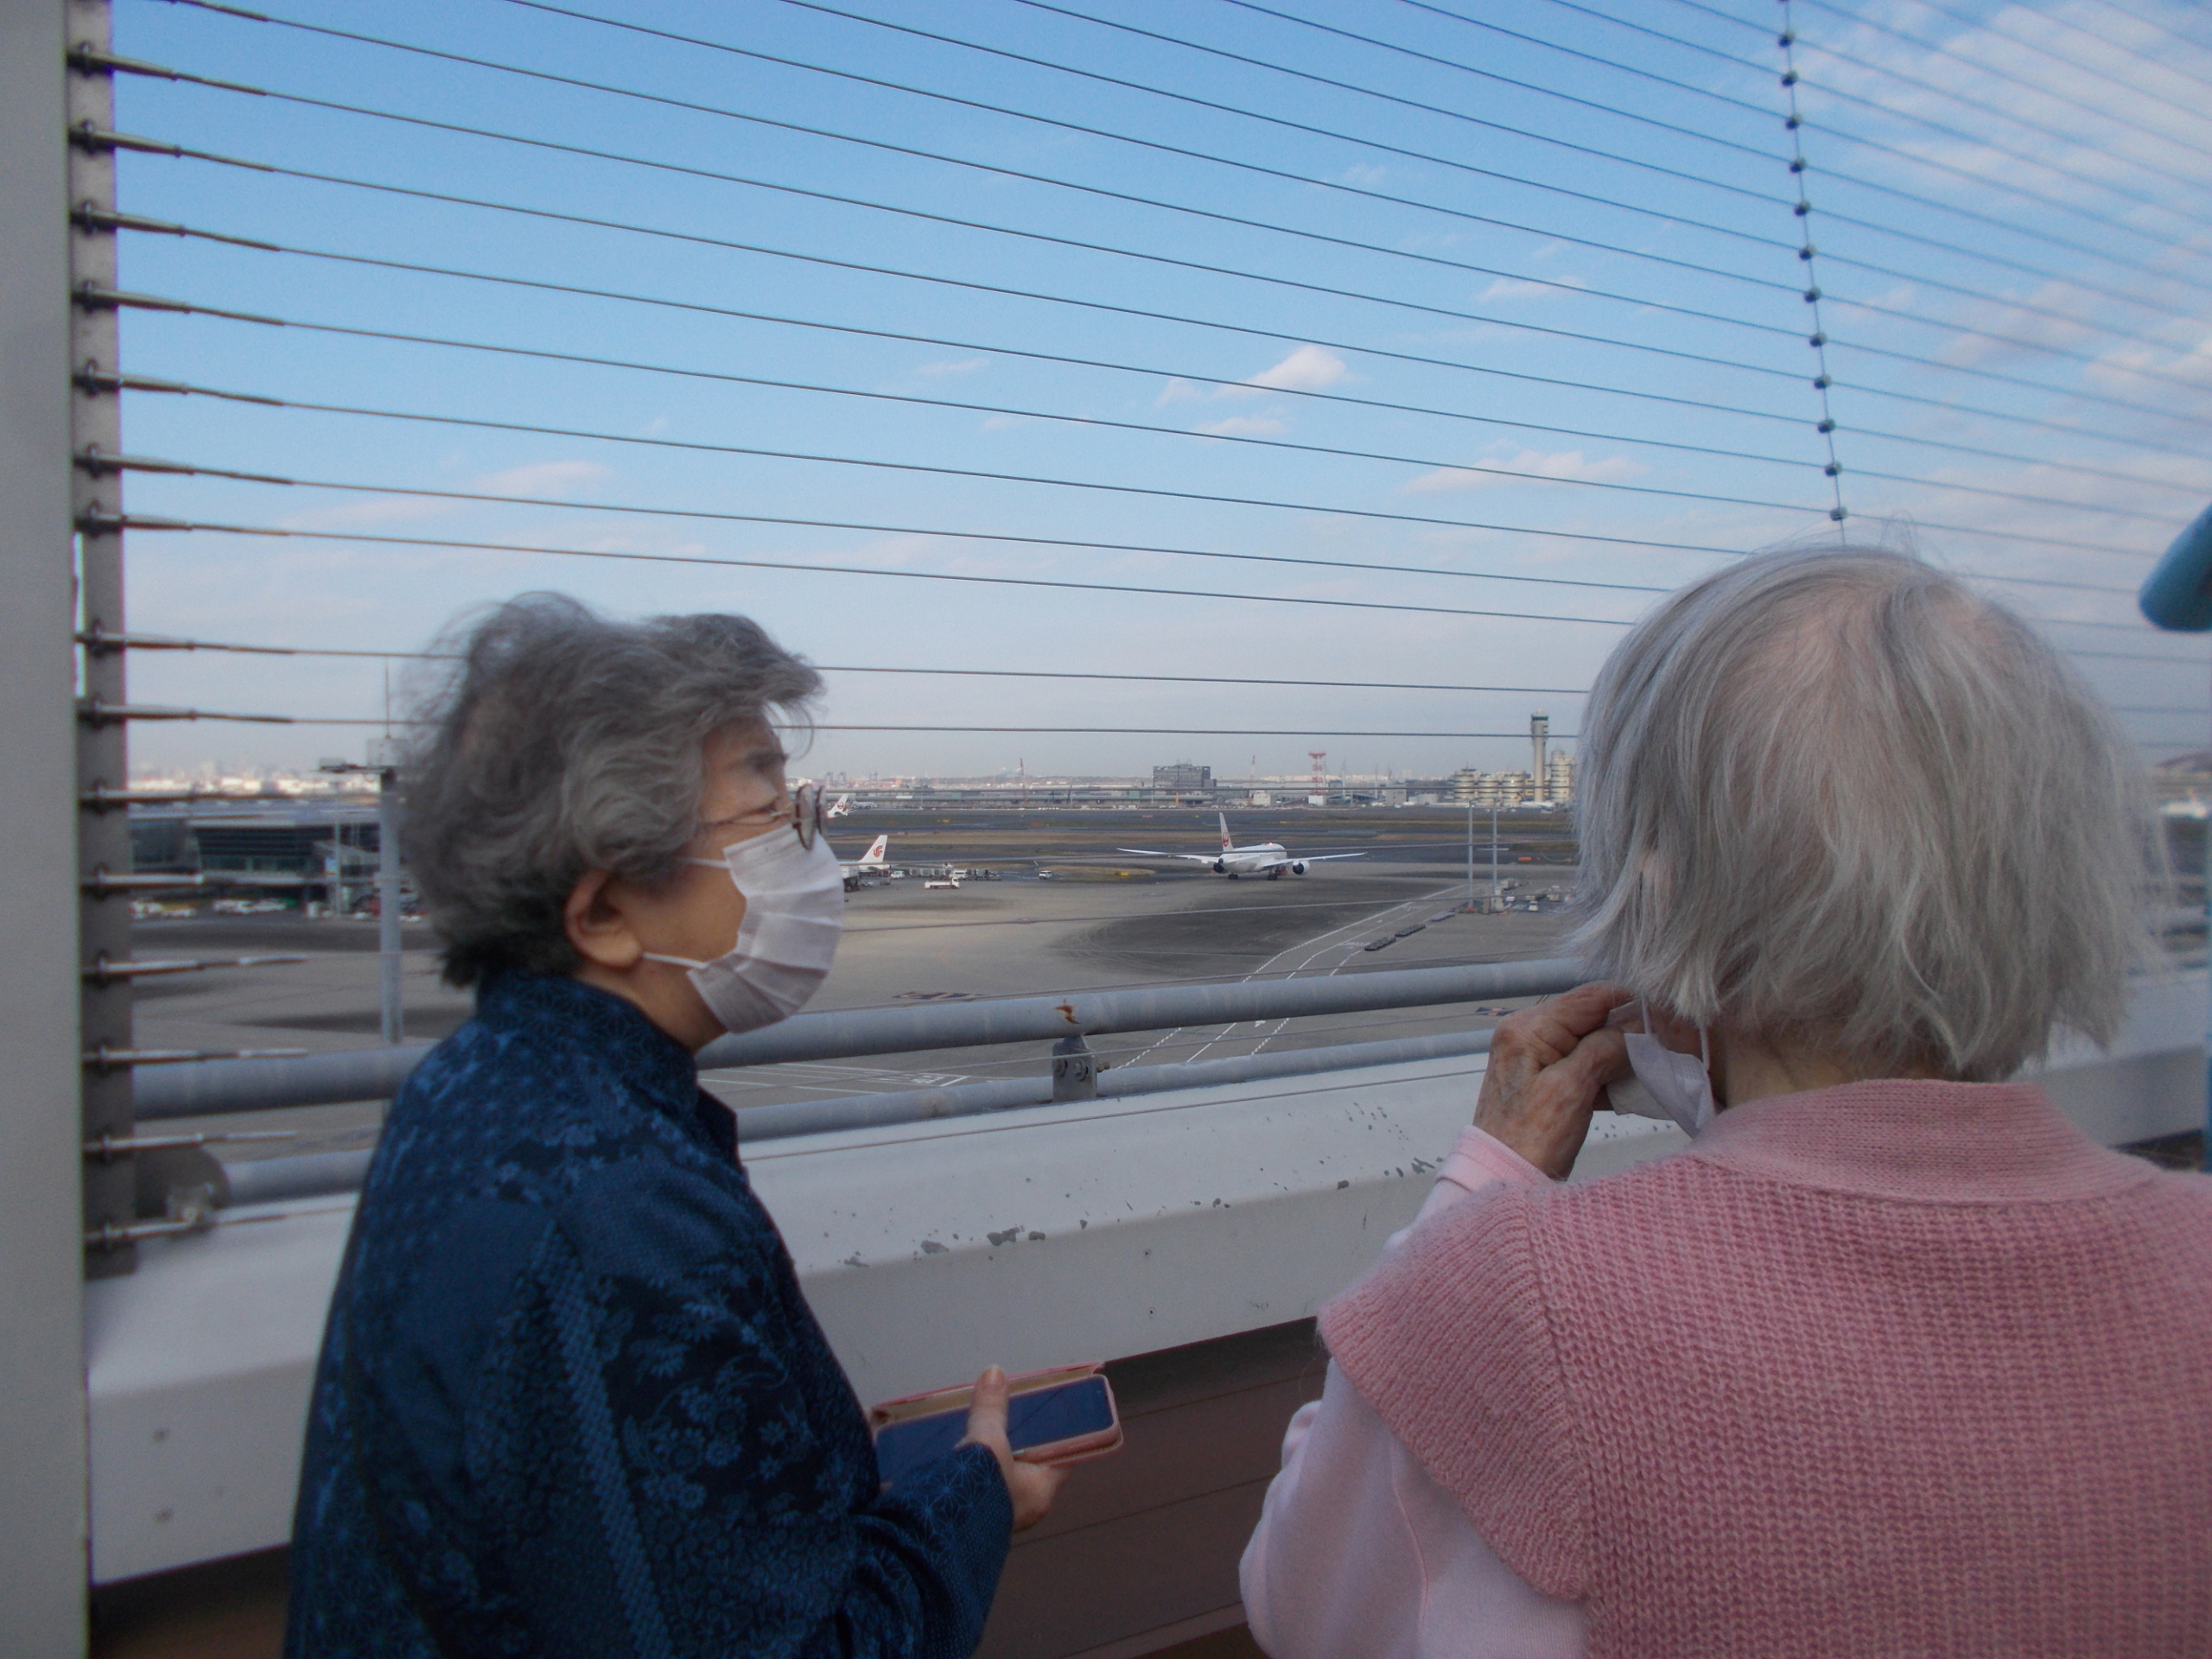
(1062, 1415)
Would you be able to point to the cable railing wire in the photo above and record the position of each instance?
(147, 385)
(136, 223)
(1981, 180)
(1681, 86)
(1995, 73)
(161, 643)
(1349, 138)
(2034, 233)
(2145, 23)
(1101, 422)
(2075, 65)
(1887, 270)
(1216, 325)
(763, 452)
(1326, 290)
(1069, 69)
(1078, 71)
(157, 523)
(1757, 65)
(184, 152)
(1392, 47)
(2072, 140)
(1882, 269)
(1246, 384)
(1987, 22)
(876, 572)
(1305, 179)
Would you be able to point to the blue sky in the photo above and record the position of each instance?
(2048, 282)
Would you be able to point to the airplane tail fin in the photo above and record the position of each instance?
(1223, 816)
(876, 850)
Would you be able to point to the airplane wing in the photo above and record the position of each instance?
(1147, 852)
(1303, 858)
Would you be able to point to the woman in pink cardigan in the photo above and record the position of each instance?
(1892, 1360)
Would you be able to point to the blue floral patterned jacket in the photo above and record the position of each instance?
(570, 1400)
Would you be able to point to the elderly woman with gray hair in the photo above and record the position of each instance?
(1891, 1359)
(571, 1402)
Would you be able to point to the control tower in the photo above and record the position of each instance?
(1539, 728)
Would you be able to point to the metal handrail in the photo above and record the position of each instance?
(219, 1086)
(1151, 1008)
(321, 1174)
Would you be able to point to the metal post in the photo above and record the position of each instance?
(1470, 852)
(42, 1507)
(103, 838)
(389, 959)
(2177, 596)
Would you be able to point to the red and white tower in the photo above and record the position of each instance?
(1320, 778)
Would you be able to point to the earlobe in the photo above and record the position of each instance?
(598, 925)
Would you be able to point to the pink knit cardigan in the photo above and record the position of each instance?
(1896, 1368)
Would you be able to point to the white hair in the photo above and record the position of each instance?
(1830, 794)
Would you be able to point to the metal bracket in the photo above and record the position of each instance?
(1075, 1069)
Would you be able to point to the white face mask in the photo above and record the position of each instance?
(794, 913)
(1666, 1084)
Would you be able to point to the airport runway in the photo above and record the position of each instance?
(1099, 918)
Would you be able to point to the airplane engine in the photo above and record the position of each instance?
(1297, 869)
(1221, 867)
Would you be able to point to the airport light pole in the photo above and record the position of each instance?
(1493, 854)
(1470, 852)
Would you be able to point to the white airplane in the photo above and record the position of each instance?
(1266, 858)
(871, 862)
(839, 807)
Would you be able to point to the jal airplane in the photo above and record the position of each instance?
(1266, 858)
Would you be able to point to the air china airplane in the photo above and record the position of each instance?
(839, 807)
(871, 862)
(1266, 858)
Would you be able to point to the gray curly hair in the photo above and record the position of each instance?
(555, 741)
(1832, 792)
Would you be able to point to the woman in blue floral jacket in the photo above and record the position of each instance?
(571, 1402)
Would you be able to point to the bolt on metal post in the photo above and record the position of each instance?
(1075, 1069)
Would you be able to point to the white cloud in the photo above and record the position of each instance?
(1514, 287)
(1178, 391)
(1559, 464)
(542, 478)
(1364, 176)
(1307, 369)
(962, 365)
(352, 515)
(1238, 426)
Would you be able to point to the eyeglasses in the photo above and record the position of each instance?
(803, 814)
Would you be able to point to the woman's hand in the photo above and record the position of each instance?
(1546, 1064)
(1031, 1485)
